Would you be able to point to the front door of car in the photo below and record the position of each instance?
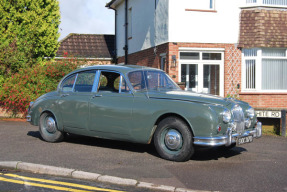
(76, 92)
(111, 107)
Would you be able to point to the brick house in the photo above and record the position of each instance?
(222, 47)
(93, 48)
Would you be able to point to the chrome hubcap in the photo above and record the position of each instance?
(50, 125)
(173, 140)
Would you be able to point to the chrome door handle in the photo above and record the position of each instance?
(97, 95)
(65, 95)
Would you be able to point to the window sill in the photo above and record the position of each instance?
(263, 93)
(201, 10)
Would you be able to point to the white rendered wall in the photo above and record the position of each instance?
(175, 24)
(120, 29)
(144, 34)
(221, 26)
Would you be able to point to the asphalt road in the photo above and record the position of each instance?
(16, 181)
(259, 166)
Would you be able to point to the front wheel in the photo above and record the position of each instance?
(48, 128)
(173, 140)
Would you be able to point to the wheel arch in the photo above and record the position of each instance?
(163, 116)
(57, 119)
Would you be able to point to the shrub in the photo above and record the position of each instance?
(30, 83)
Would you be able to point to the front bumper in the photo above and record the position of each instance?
(28, 118)
(229, 138)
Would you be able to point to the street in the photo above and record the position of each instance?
(258, 166)
(16, 181)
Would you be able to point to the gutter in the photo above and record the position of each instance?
(82, 58)
(126, 47)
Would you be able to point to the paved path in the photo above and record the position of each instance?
(260, 166)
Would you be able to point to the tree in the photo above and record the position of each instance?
(28, 33)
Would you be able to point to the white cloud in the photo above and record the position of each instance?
(86, 16)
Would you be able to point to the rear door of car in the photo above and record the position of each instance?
(76, 92)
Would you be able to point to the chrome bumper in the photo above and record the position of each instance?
(227, 139)
(28, 118)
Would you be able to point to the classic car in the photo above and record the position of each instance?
(141, 105)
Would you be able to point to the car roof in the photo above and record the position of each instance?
(120, 68)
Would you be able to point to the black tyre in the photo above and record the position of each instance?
(173, 140)
(48, 128)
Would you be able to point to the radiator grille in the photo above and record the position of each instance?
(238, 115)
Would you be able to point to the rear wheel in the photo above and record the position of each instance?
(48, 128)
(173, 140)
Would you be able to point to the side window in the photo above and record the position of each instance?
(120, 81)
(137, 80)
(110, 82)
(85, 81)
(67, 85)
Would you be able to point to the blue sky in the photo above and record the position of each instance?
(85, 16)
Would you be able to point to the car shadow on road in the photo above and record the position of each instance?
(103, 143)
(201, 154)
(207, 154)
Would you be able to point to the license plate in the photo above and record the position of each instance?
(243, 140)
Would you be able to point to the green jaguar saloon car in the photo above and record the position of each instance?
(141, 105)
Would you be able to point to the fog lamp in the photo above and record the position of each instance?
(232, 126)
(250, 112)
(247, 123)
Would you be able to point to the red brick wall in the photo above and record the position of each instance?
(232, 71)
(148, 58)
(265, 100)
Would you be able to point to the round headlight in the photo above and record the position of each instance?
(250, 112)
(226, 116)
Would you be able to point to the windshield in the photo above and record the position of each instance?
(151, 80)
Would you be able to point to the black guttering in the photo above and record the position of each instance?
(126, 48)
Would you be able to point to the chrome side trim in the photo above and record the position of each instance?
(227, 139)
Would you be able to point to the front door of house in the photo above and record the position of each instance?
(203, 78)
(189, 75)
(202, 72)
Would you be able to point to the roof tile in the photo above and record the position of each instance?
(87, 46)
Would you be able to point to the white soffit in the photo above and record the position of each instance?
(199, 49)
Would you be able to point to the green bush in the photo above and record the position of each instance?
(30, 83)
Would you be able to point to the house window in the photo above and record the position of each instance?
(202, 5)
(266, 3)
(274, 74)
(162, 63)
(211, 5)
(264, 70)
(130, 21)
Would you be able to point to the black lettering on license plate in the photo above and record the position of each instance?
(243, 140)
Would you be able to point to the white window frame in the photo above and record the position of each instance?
(202, 62)
(264, 3)
(212, 4)
(162, 63)
(258, 72)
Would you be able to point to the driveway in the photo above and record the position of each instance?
(259, 166)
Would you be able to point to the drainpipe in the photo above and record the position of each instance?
(126, 32)
(115, 44)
